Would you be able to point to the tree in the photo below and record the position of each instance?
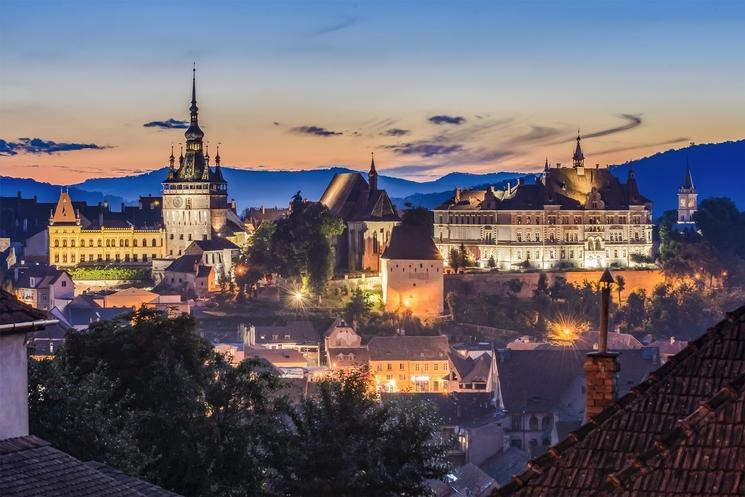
(722, 225)
(491, 263)
(620, 286)
(300, 244)
(83, 416)
(202, 422)
(346, 442)
(454, 259)
(358, 306)
(417, 216)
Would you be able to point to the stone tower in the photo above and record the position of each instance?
(195, 196)
(687, 199)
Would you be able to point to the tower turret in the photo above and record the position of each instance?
(372, 175)
(687, 200)
(579, 158)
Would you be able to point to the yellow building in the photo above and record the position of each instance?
(105, 242)
(410, 363)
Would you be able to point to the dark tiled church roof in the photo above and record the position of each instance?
(29, 466)
(411, 243)
(680, 432)
(349, 197)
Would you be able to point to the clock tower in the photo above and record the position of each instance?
(195, 196)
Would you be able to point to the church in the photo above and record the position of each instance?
(571, 217)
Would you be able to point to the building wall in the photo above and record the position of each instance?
(410, 375)
(191, 211)
(416, 285)
(484, 442)
(14, 386)
(547, 238)
(70, 245)
(366, 241)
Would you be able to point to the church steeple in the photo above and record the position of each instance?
(687, 179)
(687, 199)
(372, 175)
(578, 158)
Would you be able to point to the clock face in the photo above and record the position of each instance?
(177, 202)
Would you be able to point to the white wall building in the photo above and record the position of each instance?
(572, 217)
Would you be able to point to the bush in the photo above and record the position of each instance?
(109, 273)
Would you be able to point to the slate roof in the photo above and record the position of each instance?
(348, 196)
(680, 432)
(185, 264)
(411, 243)
(210, 245)
(469, 369)
(465, 480)
(408, 348)
(348, 357)
(298, 332)
(13, 312)
(535, 380)
(30, 466)
(465, 410)
(43, 276)
(561, 186)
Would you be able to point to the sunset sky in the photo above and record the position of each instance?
(431, 87)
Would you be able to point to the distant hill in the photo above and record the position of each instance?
(46, 192)
(718, 170)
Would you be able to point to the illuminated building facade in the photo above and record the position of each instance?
(571, 217)
(410, 363)
(73, 241)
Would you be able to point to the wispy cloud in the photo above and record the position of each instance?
(536, 134)
(644, 145)
(167, 124)
(445, 119)
(425, 149)
(632, 121)
(339, 25)
(39, 146)
(396, 132)
(315, 131)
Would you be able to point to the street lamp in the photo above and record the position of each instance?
(606, 283)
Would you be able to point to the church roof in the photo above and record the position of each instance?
(688, 179)
(349, 197)
(411, 243)
(679, 432)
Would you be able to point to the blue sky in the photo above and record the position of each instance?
(522, 76)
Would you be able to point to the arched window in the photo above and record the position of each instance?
(155, 242)
(533, 422)
(144, 242)
(64, 244)
(56, 243)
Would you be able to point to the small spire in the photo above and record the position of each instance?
(171, 159)
(372, 175)
(193, 107)
(545, 165)
(207, 153)
(181, 155)
(578, 157)
(688, 179)
(217, 157)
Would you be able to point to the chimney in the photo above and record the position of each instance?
(602, 367)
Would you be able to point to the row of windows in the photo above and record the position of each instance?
(197, 186)
(417, 366)
(527, 219)
(65, 258)
(123, 242)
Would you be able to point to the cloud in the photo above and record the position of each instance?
(39, 146)
(425, 149)
(167, 124)
(395, 132)
(644, 145)
(443, 119)
(632, 122)
(536, 134)
(331, 28)
(412, 169)
(315, 131)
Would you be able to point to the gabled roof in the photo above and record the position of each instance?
(185, 264)
(349, 197)
(14, 312)
(64, 212)
(31, 466)
(535, 380)
(411, 243)
(42, 276)
(408, 348)
(469, 369)
(680, 432)
(201, 246)
(465, 410)
(298, 332)
(348, 357)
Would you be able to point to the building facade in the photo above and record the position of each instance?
(104, 242)
(411, 273)
(410, 363)
(571, 217)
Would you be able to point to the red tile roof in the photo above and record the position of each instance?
(680, 432)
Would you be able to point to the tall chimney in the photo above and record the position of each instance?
(602, 367)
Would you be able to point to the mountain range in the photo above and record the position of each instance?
(718, 170)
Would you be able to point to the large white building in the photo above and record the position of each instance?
(572, 217)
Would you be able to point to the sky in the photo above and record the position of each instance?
(100, 88)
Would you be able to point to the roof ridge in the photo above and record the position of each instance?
(25, 442)
(684, 429)
(538, 465)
